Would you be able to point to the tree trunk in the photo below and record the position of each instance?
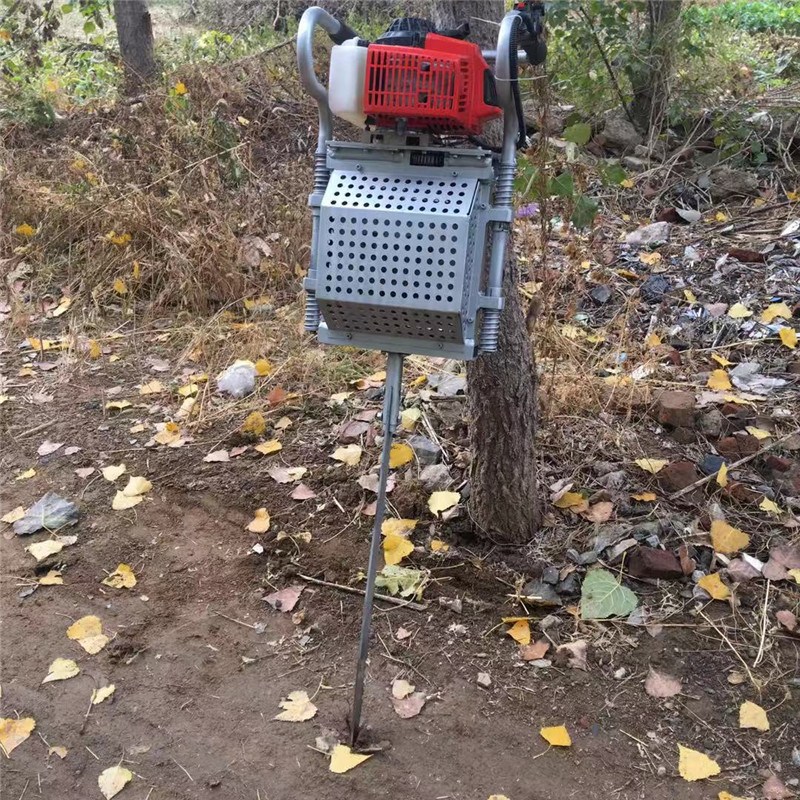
(135, 35)
(502, 385)
(651, 76)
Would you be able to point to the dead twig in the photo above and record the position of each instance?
(707, 478)
(353, 590)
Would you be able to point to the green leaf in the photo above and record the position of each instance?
(579, 133)
(603, 596)
(89, 26)
(585, 212)
(562, 185)
(66, 8)
(613, 174)
(402, 580)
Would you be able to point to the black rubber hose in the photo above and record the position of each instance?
(513, 69)
(344, 33)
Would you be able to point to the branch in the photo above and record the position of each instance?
(609, 68)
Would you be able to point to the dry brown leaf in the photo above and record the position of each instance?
(534, 651)
(285, 599)
(296, 708)
(409, 706)
(260, 522)
(659, 684)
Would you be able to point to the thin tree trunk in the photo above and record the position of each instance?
(651, 77)
(135, 35)
(502, 385)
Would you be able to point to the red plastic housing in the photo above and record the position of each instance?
(441, 88)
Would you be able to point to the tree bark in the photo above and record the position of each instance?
(135, 35)
(651, 76)
(501, 386)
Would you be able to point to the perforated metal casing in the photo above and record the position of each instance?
(400, 252)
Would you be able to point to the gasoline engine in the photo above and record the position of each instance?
(411, 217)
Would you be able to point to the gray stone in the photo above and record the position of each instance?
(426, 451)
(454, 604)
(652, 235)
(619, 132)
(550, 575)
(613, 480)
(654, 289)
(550, 621)
(589, 557)
(571, 585)
(727, 182)
(711, 423)
(645, 529)
(436, 477)
(544, 593)
(617, 551)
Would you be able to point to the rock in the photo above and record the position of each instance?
(604, 467)
(613, 480)
(454, 604)
(600, 294)
(711, 423)
(736, 447)
(648, 562)
(740, 571)
(678, 475)
(571, 585)
(484, 680)
(426, 451)
(550, 575)
(658, 150)
(727, 182)
(711, 464)
(743, 493)
(620, 674)
(675, 409)
(619, 132)
(544, 593)
(654, 289)
(620, 548)
(589, 557)
(778, 463)
(682, 435)
(646, 529)
(550, 621)
(635, 164)
(436, 477)
(652, 235)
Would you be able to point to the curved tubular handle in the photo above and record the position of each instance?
(338, 32)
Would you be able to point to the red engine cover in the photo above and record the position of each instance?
(445, 87)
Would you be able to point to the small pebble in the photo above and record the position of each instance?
(620, 674)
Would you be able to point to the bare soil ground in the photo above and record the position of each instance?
(200, 662)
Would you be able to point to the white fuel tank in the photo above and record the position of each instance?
(346, 82)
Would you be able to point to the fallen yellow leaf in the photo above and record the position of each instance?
(400, 454)
(714, 586)
(570, 500)
(652, 340)
(263, 367)
(651, 465)
(690, 296)
(95, 351)
(739, 311)
(296, 708)
(721, 360)
(726, 539)
(776, 310)
(13, 732)
(409, 418)
(61, 669)
(88, 632)
(645, 497)
(651, 259)
(120, 287)
(121, 578)
(122, 502)
(113, 471)
(770, 506)
(103, 693)
(153, 387)
(343, 759)
(265, 448)
(398, 527)
(113, 780)
(41, 550)
(520, 632)
(25, 230)
(556, 736)
(753, 716)
(169, 434)
(29, 473)
(14, 515)
(260, 523)
(722, 476)
(189, 390)
(396, 548)
(720, 217)
(442, 501)
(788, 337)
(695, 766)
(719, 380)
(438, 546)
(350, 454)
(759, 433)
(53, 578)
(137, 485)
(117, 405)
(254, 424)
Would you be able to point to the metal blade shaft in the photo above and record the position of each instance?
(391, 409)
